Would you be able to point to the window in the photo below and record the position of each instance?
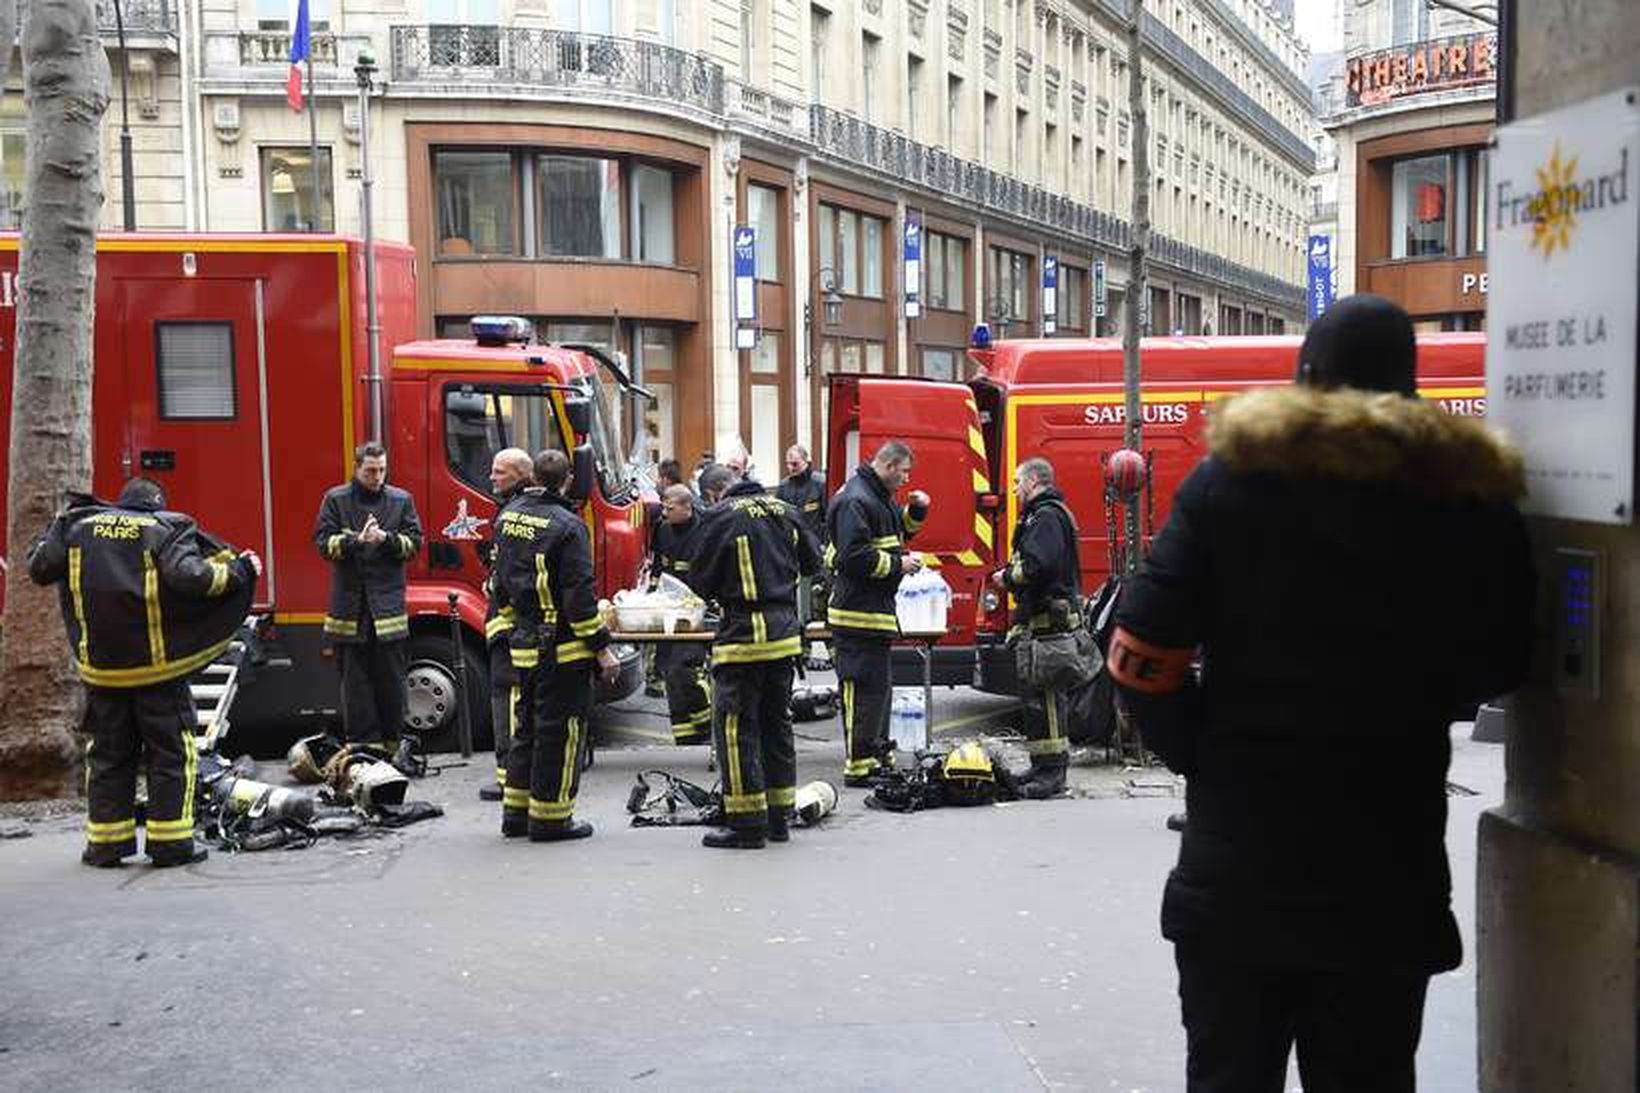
(872, 251)
(279, 14)
(656, 19)
(848, 251)
(475, 203)
(763, 213)
(945, 268)
(1009, 286)
(464, 33)
(819, 38)
(480, 421)
(578, 207)
(748, 36)
(913, 92)
(870, 46)
(1420, 189)
(587, 16)
(953, 112)
(940, 364)
(826, 233)
(990, 134)
(1409, 22)
(1021, 136)
(1072, 297)
(13, 141)
(194, 362)
(851, 246)
(287, 191)
(652, 233)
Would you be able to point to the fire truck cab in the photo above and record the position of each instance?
(1062, 399)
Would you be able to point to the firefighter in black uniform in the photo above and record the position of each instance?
(368, 530)
(148, 599)
(682, 664)
(543, 572)
(752, 552)
(510, 472)
(867, 531)
(1044, 578)
(804, 491)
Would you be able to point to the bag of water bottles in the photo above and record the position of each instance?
(922, 601)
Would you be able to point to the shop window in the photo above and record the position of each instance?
(855, 240)
(1009, 287)
(1419, 195)
(653, 233)
(578, 207)
(945, 272)
(475, 203)
(763, 213)
(287, 191)
(656, 366)
(1072, 298)
(941, 364)
(194, 366)
(478, 422)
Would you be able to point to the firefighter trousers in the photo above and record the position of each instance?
(688, 691)
(865, 673)
(151, 728)
(544, 765)
(373, 699)
(1045, 726)
(504, 696)
(752, 731)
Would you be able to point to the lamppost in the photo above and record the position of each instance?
(831, 307)
(365, 70)
(128, 186)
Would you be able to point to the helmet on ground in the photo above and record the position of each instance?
(378, 784)
(967, 776)
(308, 756)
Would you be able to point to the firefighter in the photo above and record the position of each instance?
(368, 530)
(752, 552)
(147, 600)
(804, 491)
(543, 573)
(1042, 574)
(682, 664)
(510, 473)
(867, 532)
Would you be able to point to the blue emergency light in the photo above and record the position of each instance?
(496, 330)
(981, 338)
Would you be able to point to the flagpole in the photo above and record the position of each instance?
(314, 220)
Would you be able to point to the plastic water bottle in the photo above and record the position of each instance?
(907, 725)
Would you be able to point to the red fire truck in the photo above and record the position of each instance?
(233, 371)
(1063, 399)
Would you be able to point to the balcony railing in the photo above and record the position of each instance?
(272, 47)
(526, 57)
(143, 18)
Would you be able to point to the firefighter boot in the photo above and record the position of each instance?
(735, 838)
(552, 831)
(1046, 779)
(171, 856)
(106, 857)
(780, 830)
(515, 823)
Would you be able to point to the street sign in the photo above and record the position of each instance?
(1560, 346)
(1099, 288)
(1050, 294)
(913, 264)
(745, 247)
(1321, 284)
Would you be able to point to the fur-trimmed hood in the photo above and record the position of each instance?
(1366, 437)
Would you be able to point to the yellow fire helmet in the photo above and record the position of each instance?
(967, 776)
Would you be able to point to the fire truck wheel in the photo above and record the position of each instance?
(430, 694)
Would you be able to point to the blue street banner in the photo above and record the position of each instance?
(745, 247)
(1050, 294)
(913, 264)
(1321, 285)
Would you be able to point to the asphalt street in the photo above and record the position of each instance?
(1013, 947)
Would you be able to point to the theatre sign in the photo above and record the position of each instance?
(1444, 64)
(1561, 325)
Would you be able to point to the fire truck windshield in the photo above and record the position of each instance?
(606, 441)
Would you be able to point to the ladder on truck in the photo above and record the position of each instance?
(214, 688)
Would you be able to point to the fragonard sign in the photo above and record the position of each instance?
(1441, 65)
(1560, 347)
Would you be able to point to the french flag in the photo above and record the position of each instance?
(300, 44)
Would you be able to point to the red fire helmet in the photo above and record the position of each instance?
(1125, 472)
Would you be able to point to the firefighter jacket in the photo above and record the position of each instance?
(751, 551)
(498, 618)
(1354, 573)
(367, 579)
(806, 492)
(146, 596)
(543, 574)
(674, 547)
(867, 533)
(1043, 571)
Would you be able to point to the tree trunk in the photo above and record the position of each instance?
(1138, 287)
(66, 88)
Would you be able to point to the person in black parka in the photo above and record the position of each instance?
(1349, 566)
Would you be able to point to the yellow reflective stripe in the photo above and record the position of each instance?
(760, 628)
(731, 759)
(587, 627)
(884, 564)
(512, 797)
(190, 771)
(782, 796)
(501, 777)
(333, 546)
(1053, 746)
(828, 557)
(913, 524)
(513, 694)
(543, 585)
(857, 767)
(219, 579)
(550, 811)
(500, 624)
(883, 541)
(982, 530)
(752, 652)
(976, 441)
(1050, 700)
(848, 716)
(968, 557)
(334, 625)
(862, 620)
(169, 831)
(79, 603)
(566, 775)
(738, 804)
(571, 651)
(110, 831)
(524, 658)
(149, 674)
(1016, 570)
(150, 599)
(392, 624)
(407, 546)
(748, 580)
(982, 484)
